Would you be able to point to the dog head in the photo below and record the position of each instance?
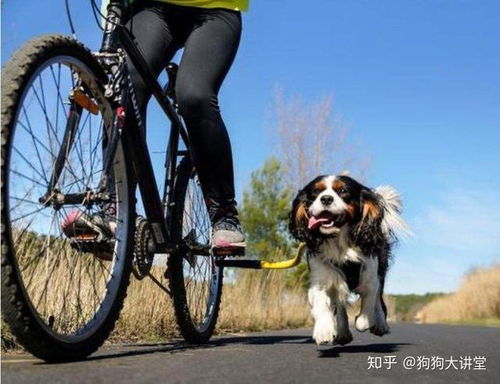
(330, 205)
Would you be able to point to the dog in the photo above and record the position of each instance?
(349, 231)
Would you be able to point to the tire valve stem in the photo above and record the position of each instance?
(52, 319)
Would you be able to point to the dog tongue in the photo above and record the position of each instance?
(315, 221)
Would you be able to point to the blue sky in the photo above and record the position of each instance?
(417, 81)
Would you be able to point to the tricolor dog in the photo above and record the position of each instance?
(349, 230)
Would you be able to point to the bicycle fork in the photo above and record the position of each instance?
(52, 195)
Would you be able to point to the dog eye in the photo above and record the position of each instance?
(342, 191)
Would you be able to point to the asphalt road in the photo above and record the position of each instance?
(284, 357)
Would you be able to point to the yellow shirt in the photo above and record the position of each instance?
(236, 5)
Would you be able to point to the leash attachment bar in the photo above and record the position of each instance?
(264, 264)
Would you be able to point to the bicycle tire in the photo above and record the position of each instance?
(46, 339)
(195, 326)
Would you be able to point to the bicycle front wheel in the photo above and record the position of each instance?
(195, 280)
(60, 297)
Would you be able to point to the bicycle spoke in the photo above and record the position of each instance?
(198, 270)
(29, 130)
(44, 177)
(34, 140)
(21, 200)
(27, 178)
(78, 147)
(27, 214)
(98, 142)
(38, 257)
(57, 85)
(48, 124)
(79, 180)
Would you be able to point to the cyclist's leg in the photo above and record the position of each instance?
(151, 30)
(208, 55)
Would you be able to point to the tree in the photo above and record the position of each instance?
(264, 216)
(312, 140)
(264, 212)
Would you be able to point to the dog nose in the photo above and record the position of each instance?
(327, 200)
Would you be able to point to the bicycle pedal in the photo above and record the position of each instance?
(228, 251)
(102, 249)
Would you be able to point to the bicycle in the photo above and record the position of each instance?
(66, 149)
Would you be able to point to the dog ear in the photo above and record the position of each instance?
(298, 217)
(367, 234)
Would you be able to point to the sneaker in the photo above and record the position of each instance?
(81, 225)
(91, 233)
(227, 236)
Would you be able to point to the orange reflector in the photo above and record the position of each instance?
(85, 102)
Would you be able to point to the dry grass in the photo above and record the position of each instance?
(260, 300)
(65, 286)
(251, 301)
(148, 313)
(255, 300)
(477, 298)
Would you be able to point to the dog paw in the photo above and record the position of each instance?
(343, 338)
(362, 323)
(324, 330)
(380, 329)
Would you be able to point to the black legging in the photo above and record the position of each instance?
(210, 38)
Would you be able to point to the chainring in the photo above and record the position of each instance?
(143, 249)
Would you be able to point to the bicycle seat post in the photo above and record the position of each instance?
(172, 75)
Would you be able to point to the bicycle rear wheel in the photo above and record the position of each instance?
(60, 297)
(195, 280)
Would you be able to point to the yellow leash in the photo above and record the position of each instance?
(285, 264)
